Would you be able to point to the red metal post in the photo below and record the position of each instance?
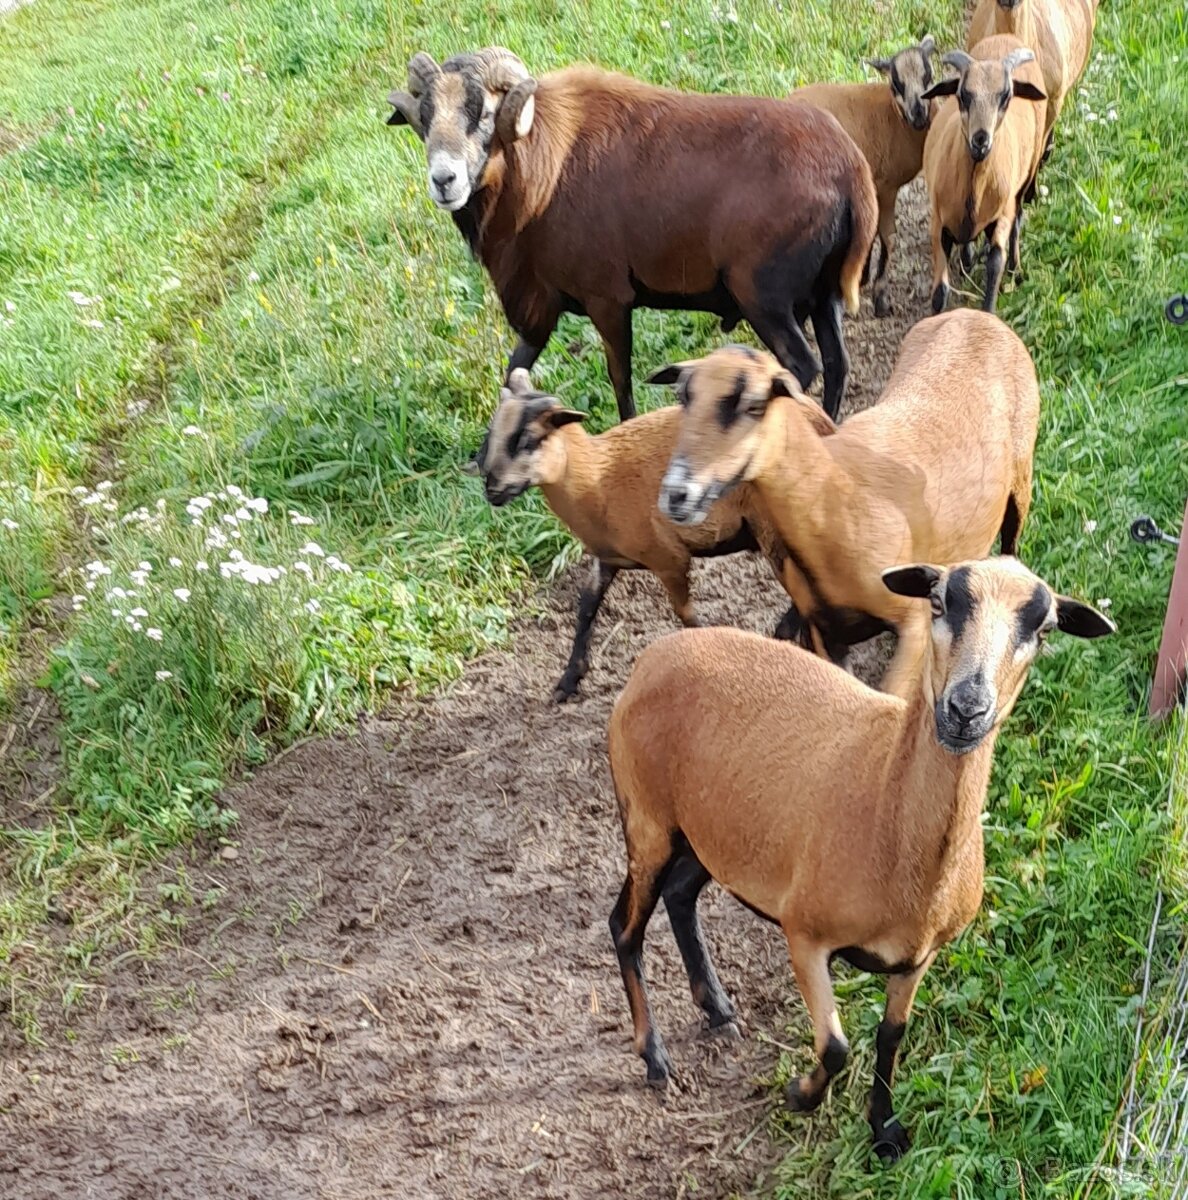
(1171, 668)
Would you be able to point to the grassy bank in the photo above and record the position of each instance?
(240, 335)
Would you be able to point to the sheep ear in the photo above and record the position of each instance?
(1028, 91)
(916, 581)
(879, 64)
(664, 375)
(408, 112)
(782, 385)
(556, 417)
(516, 112)
(928, 45)
(1081, 620)
(470, 467)
(946, 87)
(475, 465)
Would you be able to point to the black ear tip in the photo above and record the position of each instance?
(395, 119)
(664, 375)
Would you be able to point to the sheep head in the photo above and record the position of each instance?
(989, 620)
(464, 110)
(984, 89)
(909, 72)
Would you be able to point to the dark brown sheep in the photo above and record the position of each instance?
(593, 193)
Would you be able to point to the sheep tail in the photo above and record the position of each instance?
(864, 223)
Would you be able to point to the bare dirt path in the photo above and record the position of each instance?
(404, 986)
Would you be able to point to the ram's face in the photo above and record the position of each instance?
(459, 119)
(461, 111)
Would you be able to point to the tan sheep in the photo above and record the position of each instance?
(933, 471)
(849, 818)
(888, 123)
(981, 158)
(604, 490)
(1059, 31)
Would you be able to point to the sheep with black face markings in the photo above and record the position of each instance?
(604, 489)
(593, 193)
(849, 818)
(888, 124)
(982, 156)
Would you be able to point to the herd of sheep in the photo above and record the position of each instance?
(757, 762)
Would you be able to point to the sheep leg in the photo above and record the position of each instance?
(1013, 264)
(967, 255)
(996, 260)
(628, 922)
(676, 584)
(890, 1138)
(1017, 506)
(680, 893)
(882, 298)
(827, 324)
(791, 623)
(942, 244)
(613, 322)
(784, 337)
(902, 671)
(810, 965)
(589, 603)
(530, 346)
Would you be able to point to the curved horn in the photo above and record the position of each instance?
(1017, 58)
(422, 70)
(499, 69)
(928, 45)
(958, 59)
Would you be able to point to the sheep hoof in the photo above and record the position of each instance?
(882, 305)
(893, 1142)
(565, 691)
(659, 1072)
(728, 1031)
(799, 1098)
(940, 297)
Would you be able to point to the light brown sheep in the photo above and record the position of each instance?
(1059, 31)
(981, 158)
(933, 471)
(604, 489)
(849, 818)
(888, 123)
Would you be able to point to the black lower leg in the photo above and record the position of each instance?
(681, 891)
(1009, 530)
(628, 922)
(890, 1138)
(827, 324)
(882, 301)
(589, 602)
(788, 630)
(784, 337)
(995, 261)
(527, 351)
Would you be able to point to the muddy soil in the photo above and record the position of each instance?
(402, 984)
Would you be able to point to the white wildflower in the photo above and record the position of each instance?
(163, 675)
(232, 490)
(1117, 219)
(312, 606)
(9, 523)
(243, 514)
(1112, 115)
(98, 568)
(144, 566)
(253, 277)
(82, 299)
(201, 565)
(174, 561)
(1104, 603)
(155, 634)
(259, 504)
(117, 593)
(105, 486)
(183, 594)
(303, 567)
(312, 548)
(230, 519)
(93, 324)
(9, 306)
(191, 431)
(138, 612)
(336, 564)
(295, 518)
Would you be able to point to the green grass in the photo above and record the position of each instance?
(270, 274)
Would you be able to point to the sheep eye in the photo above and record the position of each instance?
(964, 99)
(938, 605)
